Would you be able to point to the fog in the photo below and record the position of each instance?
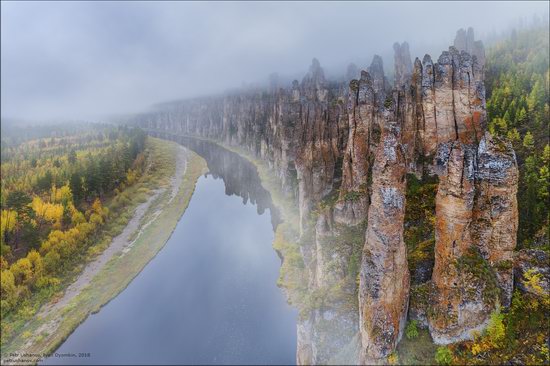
(88, 60)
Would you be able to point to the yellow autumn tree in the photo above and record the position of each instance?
(36, 263)
(22, 271)
(46, 211)
(98, 208)
(26, 271)
(131, 177)
(60, 241)
(61, 195)
(65, 243)
(8, 221)
(96, 220)
(54, 214)
(8, 291)
(52, 261)
(77, 217)
(39, 207)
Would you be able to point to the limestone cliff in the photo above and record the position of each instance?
(457, 302)
(340, 150)
(362, 135)
(476, 231)
(384, 281)
(495, 212)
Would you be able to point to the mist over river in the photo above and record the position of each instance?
(210, 295)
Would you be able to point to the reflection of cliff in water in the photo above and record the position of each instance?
(330, 333)
(240, 176)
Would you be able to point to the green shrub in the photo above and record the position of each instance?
(472, 262)
(412, 329)
(496, 330)
(443, 356)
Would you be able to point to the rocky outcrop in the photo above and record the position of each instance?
(384, 281)
(324, 334)
(476, 228)
(532, 272)
(340, 150)
(317, 150)
(444, 102)
(304, 346)
(464, 41)
(495, 215)
(428, 128)
(402, 64)
(380, 82)
(352, 204)
(458, 303)
(457, 99)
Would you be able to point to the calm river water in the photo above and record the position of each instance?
(210, 295)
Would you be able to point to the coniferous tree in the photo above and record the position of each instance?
(71, 158)
(75, 183)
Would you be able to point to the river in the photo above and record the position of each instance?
(210, 295)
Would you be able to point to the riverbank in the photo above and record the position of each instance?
(164, 194)
(293, 274)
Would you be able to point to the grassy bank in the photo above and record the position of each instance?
(32, 334)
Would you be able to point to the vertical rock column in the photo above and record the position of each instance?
(361, 114)
(409, 93)
(402, 63)
(495, 210)
(445, 117)
(380, 83)
(476, 228)
(458, 306)
(384, 279)
(469, 98)
(428, 129)
(467, 275)
(464, 41)
(317, 143)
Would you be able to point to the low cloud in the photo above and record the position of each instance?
(85, 60)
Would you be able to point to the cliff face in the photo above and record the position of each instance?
(341, 151)
(363, 134)
(475, 236)
(384, 281)
(495, 212)
(458, 305)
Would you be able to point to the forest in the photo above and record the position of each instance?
(517, 82)
(54, 191)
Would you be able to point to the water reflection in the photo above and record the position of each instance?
(210, 295)
(239, 176)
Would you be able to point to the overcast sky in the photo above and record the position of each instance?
(84, 60)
